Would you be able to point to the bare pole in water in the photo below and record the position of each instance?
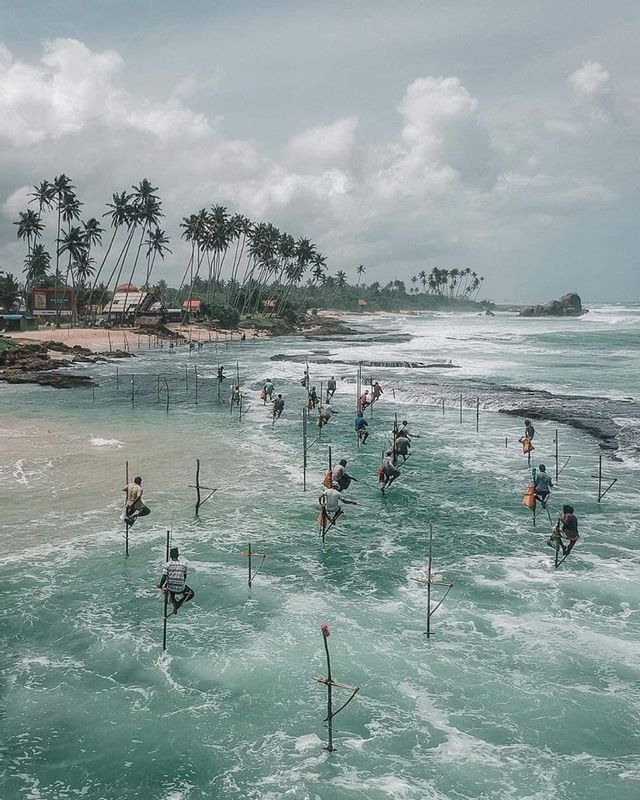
(330, 746)
(330, 683)
(358, 388)
(304, 449)
(601, 493)
(198, 487)
(556, 444)
(133, 390)
(430, 582)
(195, 371)
(166, 599)
(461, 408)
(250, 554)
(117, 378)
(109, 337)
(126, 498)
(166, 386)
(443, 406)
(330, 461)
(477, 414)
(186, 377)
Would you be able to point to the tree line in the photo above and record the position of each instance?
(235, 267)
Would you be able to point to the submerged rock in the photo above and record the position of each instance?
(58, 380)
(569, 305)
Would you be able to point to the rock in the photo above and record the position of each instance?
(569, 305)
(119, 354)
(57, 380)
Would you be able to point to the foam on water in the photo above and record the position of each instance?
(528, 688)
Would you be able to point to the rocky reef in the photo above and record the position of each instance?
(33, 363)
(569, 305)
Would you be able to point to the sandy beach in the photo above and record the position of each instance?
(101, 340)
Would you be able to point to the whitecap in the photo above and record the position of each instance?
(98, 441)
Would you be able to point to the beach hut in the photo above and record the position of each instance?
(361, 303)
(191, 308)
(17, 322)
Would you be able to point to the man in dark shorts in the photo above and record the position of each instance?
(174, 580)
(566, 528)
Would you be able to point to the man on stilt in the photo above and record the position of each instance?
(566, 528)
(330, 509)
(174, 580)
(135, 506)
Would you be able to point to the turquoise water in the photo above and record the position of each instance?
(529, 688)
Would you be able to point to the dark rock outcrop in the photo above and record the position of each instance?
(569, 305)
(58, 380)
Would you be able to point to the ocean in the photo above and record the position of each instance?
(529, 686)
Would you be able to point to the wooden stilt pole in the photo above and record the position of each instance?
(443, 406)
(429, 582)
(126, 524)
(557, 459)
(477, 414)
(330, 746)
(186, 377)
(166, 386)
(133, 390)
(195, 371)
(93, 394)
(158, 387)
(249, 557)
(330, 460)
(117, 378)
(429, 574)
(166, 599)
(197, 486)
(304, 449)
(599, 478)
(461, 408)
(505, 442)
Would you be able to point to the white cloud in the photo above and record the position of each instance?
(72, 87)
(592, 90)
(329, 145)
(451, 183)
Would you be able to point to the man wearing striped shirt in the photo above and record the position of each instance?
(174, 580)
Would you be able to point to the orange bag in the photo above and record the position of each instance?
(328, 479)
(529, 499)
(527, 445)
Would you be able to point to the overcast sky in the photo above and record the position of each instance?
(502, 136)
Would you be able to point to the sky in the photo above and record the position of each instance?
(499, 135)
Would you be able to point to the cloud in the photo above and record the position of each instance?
(592, 90)
(449, 182)
(441, 143)
(72, 87)
(328, 145)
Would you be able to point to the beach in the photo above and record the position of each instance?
(528, 686)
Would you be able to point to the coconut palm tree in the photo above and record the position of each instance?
(30, 227)
(9, 291)
(43, 195)
(423, 280)
(360, 271)
(36, 269)
(73, 243)
(120, 213)
(62, 194)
